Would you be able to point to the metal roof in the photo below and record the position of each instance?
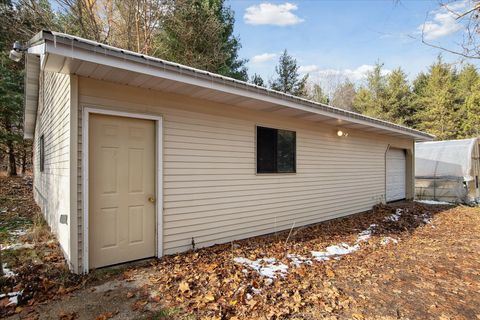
(241, 87)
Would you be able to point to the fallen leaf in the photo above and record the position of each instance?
(105, 316)
(183, 287)
(68, 315)
(209, 297)
(297, 298)
(330, 273)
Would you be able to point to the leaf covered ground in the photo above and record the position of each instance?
(401, 261)
(33, 263)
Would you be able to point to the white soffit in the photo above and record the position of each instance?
(32, 67)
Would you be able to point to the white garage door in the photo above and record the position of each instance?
(396, 174)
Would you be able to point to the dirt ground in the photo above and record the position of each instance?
(402, 261)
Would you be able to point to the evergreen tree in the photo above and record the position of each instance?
(439, 114)
(257, 80)
(398, 94)
(199, 33)
(467, 80)
(11, 109)
(371, 99)
(466, 83)
(420, 83)
(468, 86)
(471, 124)
(288, 79)
(418, 91)
(18, 22)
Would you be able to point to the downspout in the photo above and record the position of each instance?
(385, 175)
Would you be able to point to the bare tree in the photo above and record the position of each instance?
(344, 95)
(129, 24)
(137, 24)
(469, 17)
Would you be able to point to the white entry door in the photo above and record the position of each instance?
(121, 189)
(396, 174)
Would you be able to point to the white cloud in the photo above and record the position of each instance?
(443, 22)
(456, 6)
(327, 75)
(308, 69)
(272, 14)
(264, 57)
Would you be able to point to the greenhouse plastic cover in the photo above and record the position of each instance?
(444, 159)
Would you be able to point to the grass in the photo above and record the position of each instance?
(106, 273)
(165, 313)
(171, 313)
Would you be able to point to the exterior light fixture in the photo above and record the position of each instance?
(341, 133)
(17, 52)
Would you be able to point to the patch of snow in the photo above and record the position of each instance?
(17, 246)
(256, 291)
(320, 255)
(432, 202)
(298, 260)
(13, 297)
(18, 232)
(7, 272)
(388, 240)
(267, 267)
(426, 218)
(395, 216)
(342, 249)
(334, 251)
(270, 268)
(366, 234)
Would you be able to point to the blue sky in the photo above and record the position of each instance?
(337, 39)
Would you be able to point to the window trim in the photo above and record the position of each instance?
(256, 151)
(41, 153)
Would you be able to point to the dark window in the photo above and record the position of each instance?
(275, 151)
(42, 153)
(476, 182)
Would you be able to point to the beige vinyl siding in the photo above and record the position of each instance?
(211, 190)
(52, 186)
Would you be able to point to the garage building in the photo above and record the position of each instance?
(137, 157)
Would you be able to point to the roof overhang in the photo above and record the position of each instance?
(73, 55)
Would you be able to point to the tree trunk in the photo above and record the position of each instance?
(24, 158)
(12, 165)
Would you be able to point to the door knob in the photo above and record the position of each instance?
(151, 199)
